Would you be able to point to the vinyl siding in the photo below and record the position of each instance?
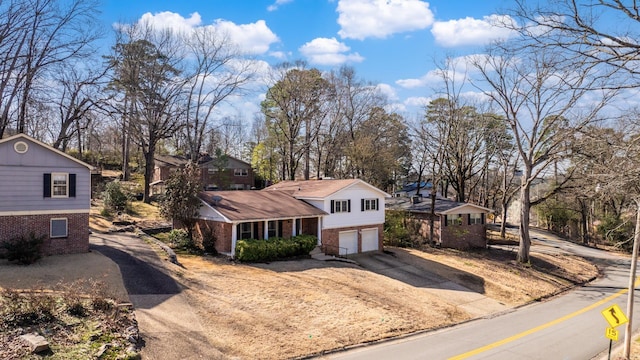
(355, 217)
(21, 180)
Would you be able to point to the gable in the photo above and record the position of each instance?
(21, 150)
(324, 189)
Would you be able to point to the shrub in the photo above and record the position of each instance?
(25, 310)
(274, 248)
(113, 196)
(24, 249)
(209, 241)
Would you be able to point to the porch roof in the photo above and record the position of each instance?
(251, 205)
(442, 206)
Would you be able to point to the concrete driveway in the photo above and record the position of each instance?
(168, 325)
(413, 271)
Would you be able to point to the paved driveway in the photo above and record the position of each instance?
(168, 325)
(406, 270)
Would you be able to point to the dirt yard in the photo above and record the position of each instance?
(295, 308)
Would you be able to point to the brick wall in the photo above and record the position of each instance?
(331, 237)
(77, 240)
(221, 231)
(464, 236)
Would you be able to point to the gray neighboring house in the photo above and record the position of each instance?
(44, 191)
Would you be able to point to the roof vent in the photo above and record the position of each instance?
(216, 199)
(21, 147)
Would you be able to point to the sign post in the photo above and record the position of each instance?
(615, 317)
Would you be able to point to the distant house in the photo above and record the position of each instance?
(411, 189)
(347, 216)
(215, 174)
(355, 212)
(456, 225)
(44, 191)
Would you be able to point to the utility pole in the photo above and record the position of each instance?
(632, 281)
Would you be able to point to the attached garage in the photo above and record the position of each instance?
(369, 240)
(348, 242)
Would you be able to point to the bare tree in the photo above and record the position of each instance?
(537, 92)
(35, 36)
(216, 71)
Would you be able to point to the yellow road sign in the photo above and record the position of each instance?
(614, 315)
(611, 333)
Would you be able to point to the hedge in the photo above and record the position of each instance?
(253, 250)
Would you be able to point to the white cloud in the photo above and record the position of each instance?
(457, 69)
(388, 91)
(470, 31)
(324, 51)
(417, 101)
(360, 19)
(253, 38)
(277, 4)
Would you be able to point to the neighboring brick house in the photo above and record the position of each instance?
(456, 225)
(347, 216)
(215, 174)
(44, 191)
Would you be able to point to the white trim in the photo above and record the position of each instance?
(43, 212)
(234, 239)
(458, 208)
(23, 136)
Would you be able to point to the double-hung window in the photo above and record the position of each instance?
(241, 172)
(340, 206)
(59, 185)
(475, 219)
(369, 204)
(245, 231)
(453, 220)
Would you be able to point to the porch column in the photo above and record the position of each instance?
(266, 229)
(293, 227)
(234, 238)
(319, 230)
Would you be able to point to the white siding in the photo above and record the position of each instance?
(356, 217)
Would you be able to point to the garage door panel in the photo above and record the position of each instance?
(348, 242)
(369, 240)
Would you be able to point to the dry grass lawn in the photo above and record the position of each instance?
(296, 308)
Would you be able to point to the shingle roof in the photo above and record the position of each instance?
(442, 206)
(246, 205)
(171, 160)
(312, 188)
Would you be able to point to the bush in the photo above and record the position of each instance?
(401, 230)
(209, 241)
(113, 196)
(274, 248)
(25, 249)
(25, 310)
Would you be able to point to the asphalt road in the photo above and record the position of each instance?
(570, 326)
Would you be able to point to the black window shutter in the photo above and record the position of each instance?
(361, 204)
(333, 206)
(279, 228)
(349, 205)
(47, 185)
(377, 204)
(72, 185)
(445, 220)
(255, 231)
(482, 218)
(238, 232)
(468, 219)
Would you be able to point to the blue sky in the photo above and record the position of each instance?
(389, 42)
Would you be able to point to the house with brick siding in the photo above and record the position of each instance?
(44, 191)
(355, 212)
(347, 216)
(456, 225)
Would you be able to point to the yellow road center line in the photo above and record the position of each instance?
(543, 326)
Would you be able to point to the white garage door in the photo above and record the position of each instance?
(348, 242)
(369, 240)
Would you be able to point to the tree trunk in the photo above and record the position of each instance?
(525, 210)
(432, 217)
(503, 225)
(148, 171)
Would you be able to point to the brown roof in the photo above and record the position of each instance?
(244, 205)
(170, 160)
(313, 188)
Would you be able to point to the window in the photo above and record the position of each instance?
(212, 170)
(245, 231)
(340, 206)
(476, 219)
(59, 185)
(274, 229)
(21, 147)
(369, 204)
(454, 219)
(240, 172)
(58, 228)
